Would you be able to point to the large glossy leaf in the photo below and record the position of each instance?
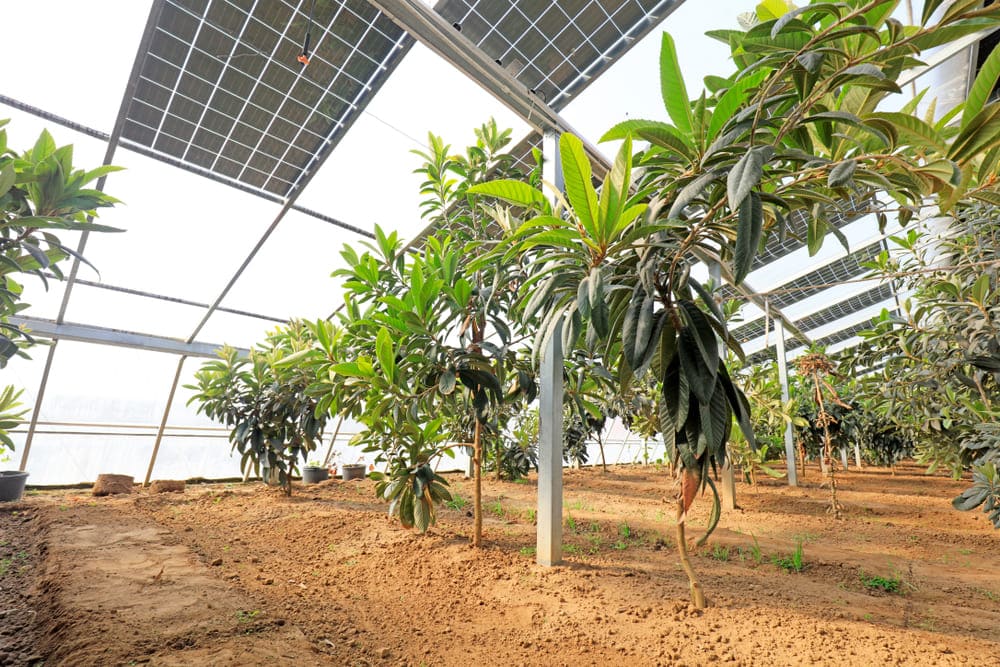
(977, 137)
(576, 176)
(910, 126)
(690, 192)
(981, 88)
(749, 228)
(746, 174)
(672, 88)
(732, 100)
(514, 192)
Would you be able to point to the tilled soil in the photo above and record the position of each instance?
(241, 575)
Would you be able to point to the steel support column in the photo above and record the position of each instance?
(38, 405)
(779, 331)
(548, 537)
(163, 422)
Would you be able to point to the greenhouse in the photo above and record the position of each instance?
(416, 333)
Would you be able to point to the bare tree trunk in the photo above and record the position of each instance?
(828, 457)
(600, 444)
(477, 496)
(697, 595)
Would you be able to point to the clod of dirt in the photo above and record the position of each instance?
(167, 486)
(107, 485)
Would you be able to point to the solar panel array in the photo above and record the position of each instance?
(555, 48)
(221, 89)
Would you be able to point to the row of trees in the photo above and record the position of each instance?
(438, 345)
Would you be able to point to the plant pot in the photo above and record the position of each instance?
(351, 471)
(270, 476)
(314, 474)
(12, 485)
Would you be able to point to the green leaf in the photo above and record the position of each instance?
(576, 176)
(841, 174)
(914, 128)
(749, 228)
(746, 174)
(514, 192)
(690, 192)
(386, 354)
(929, 7)
(732, 100)
(672, 88)
(446, 383)
(977, 137)
(7, 178)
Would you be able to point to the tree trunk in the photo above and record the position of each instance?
(697, 595)
(600, 444)
(496, 459)
(828, 458)
(477, 494)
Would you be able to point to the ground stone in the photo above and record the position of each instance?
(167, 486)
(107, 485)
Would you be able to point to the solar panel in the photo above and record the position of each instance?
(220, 87)
(555, 48)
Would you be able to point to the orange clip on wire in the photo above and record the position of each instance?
(303, 58)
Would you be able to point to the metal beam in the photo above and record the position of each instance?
(431, 29)
(42, 384)
(163, 422)
(86, 333)
(173, 162)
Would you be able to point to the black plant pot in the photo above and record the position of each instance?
(314, 474)
(352, 471)
(12, 485)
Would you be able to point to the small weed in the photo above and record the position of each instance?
(4, 566)
(247, 616)
(579, 506)
(755, 552)
(620, 545)
(965, 552)
(624, 530)
(521, 480)
(659, 515)
(868, 617)
(595, 542)
(496, 508)
(456, 503)
(527, 551)
(570, 523)
(531, 515)
(571, 548)
(793, 562)
(988, 594)
(594, 527)
(720, 552)
(874, 582)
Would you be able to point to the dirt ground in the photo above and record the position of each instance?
(240, 575)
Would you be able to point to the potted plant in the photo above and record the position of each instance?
(349, 471)
(314, 472)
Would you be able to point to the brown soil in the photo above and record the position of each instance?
(241, 575)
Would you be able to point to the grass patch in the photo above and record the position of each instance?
(456, 503)
(794, 562)
(874, 582)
